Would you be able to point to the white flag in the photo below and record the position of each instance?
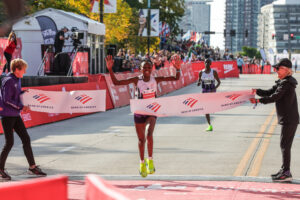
(95, 6)
(110, 6)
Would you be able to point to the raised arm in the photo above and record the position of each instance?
(109, 64)
(177, 64)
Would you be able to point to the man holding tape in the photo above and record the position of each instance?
(284, 95)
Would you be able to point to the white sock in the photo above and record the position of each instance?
(150, 158)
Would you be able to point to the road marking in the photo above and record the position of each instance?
(67, 149)
(255, 168)
(243, 163)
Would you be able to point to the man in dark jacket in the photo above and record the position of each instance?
(60, 40)
(11, 106)
(284, 95)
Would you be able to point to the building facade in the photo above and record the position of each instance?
(277, 22)
(196, 17)
(242, 17)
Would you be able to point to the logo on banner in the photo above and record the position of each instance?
(83, 98)
(41, 98)
(154, 106)
(190, 102)
(233, 96)
(228, 68)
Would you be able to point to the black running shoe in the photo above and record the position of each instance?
(283, 177)
(4, 175)
(279, 172)
(36, 171)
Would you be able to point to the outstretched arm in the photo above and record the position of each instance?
(177, 64)
(109, 64)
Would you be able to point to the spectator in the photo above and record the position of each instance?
(9, 50)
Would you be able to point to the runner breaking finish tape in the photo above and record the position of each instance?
(146, 88)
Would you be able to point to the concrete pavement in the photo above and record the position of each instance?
(245, 142)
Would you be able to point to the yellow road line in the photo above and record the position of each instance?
(243, 163)
(255, 168)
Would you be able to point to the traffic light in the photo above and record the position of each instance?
(232, 33)
(273, 36)
(209, 32)
(292, 36)
(246, 33)
(224, 32)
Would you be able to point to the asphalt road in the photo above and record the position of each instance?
(245, 142)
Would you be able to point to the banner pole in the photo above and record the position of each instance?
(149, 26)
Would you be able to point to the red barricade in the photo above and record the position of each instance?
(36, 189)
(231, 69)
(256, 69)
(119, 94)
(218, 66)
(97, 188)
(81, 63)
(49, 58)
(197, 67)
(168, 84)
(267, 69)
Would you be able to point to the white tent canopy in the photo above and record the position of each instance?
(28, 29)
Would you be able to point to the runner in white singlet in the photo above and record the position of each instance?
(207, 78)
(146, 85)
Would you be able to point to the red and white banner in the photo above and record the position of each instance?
(95, 6)
(190, 104)
(110, 6)
(82, 101)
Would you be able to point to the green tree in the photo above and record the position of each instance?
(250, 52)
(36, 5)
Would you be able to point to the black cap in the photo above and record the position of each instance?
(283, 62)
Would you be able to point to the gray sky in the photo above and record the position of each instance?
(217, 23)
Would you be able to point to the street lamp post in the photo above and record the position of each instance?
(101, 11)
(148, 26)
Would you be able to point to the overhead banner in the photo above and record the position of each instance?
(190, 104)
(81, 101)
(48, 29)
(110, 6)
(143, 14)
(154, 23)
(95, 6)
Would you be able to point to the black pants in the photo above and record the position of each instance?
(286, 140)
(10, 124)
(8, 59)
(241, 69)
(58, 49)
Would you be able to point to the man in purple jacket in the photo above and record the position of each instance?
(10, 108)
